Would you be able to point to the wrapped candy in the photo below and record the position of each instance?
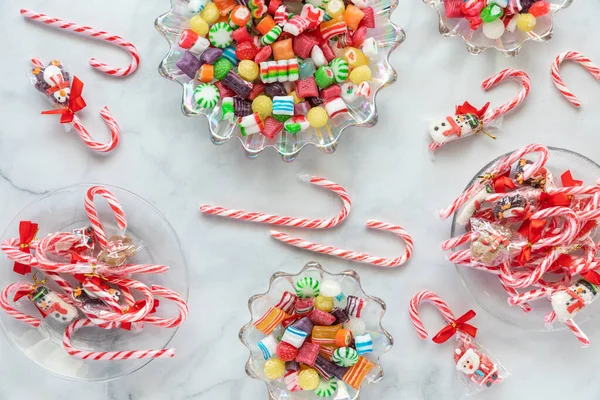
(568, 302)
(493, 244)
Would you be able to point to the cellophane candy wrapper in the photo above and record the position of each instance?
(566, 303)
(493, 244)
(54, 82)
(476, 367)
(515, 205)
(543, 179)
(119, 249)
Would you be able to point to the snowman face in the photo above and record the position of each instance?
(583, 291)
(54, 307)
(62, 96)
(451, 128)
(115, 294)
(469, 362)
(561, 301)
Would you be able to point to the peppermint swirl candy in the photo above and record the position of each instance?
(271, 36)
(326, 388)
(206, 95)
(345, 356)
(340, 69)
(307, 287)
(220, 35)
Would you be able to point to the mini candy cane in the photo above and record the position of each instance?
(93, 214)
(108, 355)
(161, 291)
(290, 221)
(434, 299)
(352, 255)
(93, 33)
(581, 60)
(10, 310)
(468, 120)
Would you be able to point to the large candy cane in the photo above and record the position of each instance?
(130, 316)
(352, 255)
(161, 291)
(93, 33)
(107, 355)
(581, 60)
(114, 204)
(6, 305)
(84, 134)
(521, 76)
(434, 299)
(579, 334)
(290, 221)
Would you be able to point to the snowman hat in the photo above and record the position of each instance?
(593, 288)
(461, 355)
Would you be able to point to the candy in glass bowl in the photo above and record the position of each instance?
(504, 25)
(315, 335)
(280, 74)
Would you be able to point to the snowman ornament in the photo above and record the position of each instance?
(466, 121)
(53, 81)
(51, 305)
(567, 303)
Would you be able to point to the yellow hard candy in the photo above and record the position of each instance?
(360, 74)
(335, 8)
(526, 22)
(274, 368)
(308, 379)
(354, 57)
(248, 70)
(324, 303)
(198, 25)
(296, 98)
(317, 117)
(263, 105)
(210, 13)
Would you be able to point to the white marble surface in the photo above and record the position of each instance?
(169, 160)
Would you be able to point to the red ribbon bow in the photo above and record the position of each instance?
(27, 232)
(96, 279)
(554, 200)
(76, 103)
(568, 181)
(532, 230)
(459, 324)
(503, 183)
(136, 307)
(592, 277)
(467, 108)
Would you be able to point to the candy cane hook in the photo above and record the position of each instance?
(84, 134)
(10, 310)
(489, 83)
(352, 255)
(434, 299)
(114, 204)
(581, 60)
(93, 33)
(290, 221)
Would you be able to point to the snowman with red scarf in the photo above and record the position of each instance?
(566, 303)
(465, 122)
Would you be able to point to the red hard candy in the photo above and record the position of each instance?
(539, 8)
(241, 35)
(286, 352)
(263, 54)
(271, 129)
(246, 51)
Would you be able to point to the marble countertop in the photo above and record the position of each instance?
(169, 160)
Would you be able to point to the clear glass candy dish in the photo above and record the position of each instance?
(362, 113)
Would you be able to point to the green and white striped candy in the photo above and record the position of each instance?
(307, 287)
(345, 356)
(206, 95)
(339, 66)
(326, 388)
(271, 36)
(220, 35)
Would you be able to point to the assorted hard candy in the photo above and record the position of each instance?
(241, 49)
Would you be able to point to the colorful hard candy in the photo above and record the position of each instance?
(308, 379)
(345, 356)
(274, 368)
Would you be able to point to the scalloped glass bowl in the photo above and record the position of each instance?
(485, 287)
(63, 210)
(510, 43)
(280, 282)
(361, 113)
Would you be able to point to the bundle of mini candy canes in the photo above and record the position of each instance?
(497, 17)
(93, 274)
(277, 67)
(533, 228)
(323, 340)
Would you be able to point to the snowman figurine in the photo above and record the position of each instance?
(50, 304)
(475, 365)
(567, 303)
(53, 81)
(454, 128)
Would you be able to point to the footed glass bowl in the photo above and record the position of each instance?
(485, 287)
(280, 282)
(361, 113)
(510, 43)
(63, 210)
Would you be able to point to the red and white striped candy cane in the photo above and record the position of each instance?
(130, 269)
(45, 251)
(434, 299)
(569, 231)
(290, 221)
(163, 292)
(513, 292)
(352, 255)
(130, 316)
(6, 305)
(521, 76)
(579, 334)
(11, 247)
(457, 241)
(531, 295)
(84, 134)
(114, 204)
(502, 166)
(102, 294)
(581, 60)
(93, 33)
(107, 355)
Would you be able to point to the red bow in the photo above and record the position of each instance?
(22, 293)
(136, 307)
(567, 179)
(459, 324)
(76, 103)
(503, 183)
(564, 260)
(592, 277)
(532, 230)
(95, 279)
(27, 232)
(467, 108)
(554, 200)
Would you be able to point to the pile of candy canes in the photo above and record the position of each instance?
(533, 228)
(274, 66)
(323, 343)
(93, 274)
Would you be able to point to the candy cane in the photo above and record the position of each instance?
(107, 355)
(434, 299)
(521, 76)
(10, 310)
(114, 204)
(579, 334)
(179, 302)
(93, 33)
(130, 316)
(115, 133)
(11, 247)
(352, 255)
(581, 60)
(457, 241)
(290, 221)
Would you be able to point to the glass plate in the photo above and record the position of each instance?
(485, 287)
(63, 210)
(510, 43)
(280, 282)
(363, 114)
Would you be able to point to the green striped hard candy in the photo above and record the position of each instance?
(307, 287)
(339, 66)
(345, 356)
(220, 35)
(326, 388)
(271, 36)
(206, 95)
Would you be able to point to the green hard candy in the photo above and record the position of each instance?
(491, 13)
(221, 67)
(324, 77)
(281, 118)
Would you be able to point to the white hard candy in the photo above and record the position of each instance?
(330, 288)
(356, 326)
(493, 30)
(512, 24)
(317, 56)
(349, 92)
(369, 47)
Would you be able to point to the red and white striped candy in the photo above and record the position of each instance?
(93, 33)
(521, 76)
(352, 255)
(581, 60)
(6, 305)
(130, 316)
(84, 134)
(579, 334)
(163, 292)
(434, 299)
(93, 214)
